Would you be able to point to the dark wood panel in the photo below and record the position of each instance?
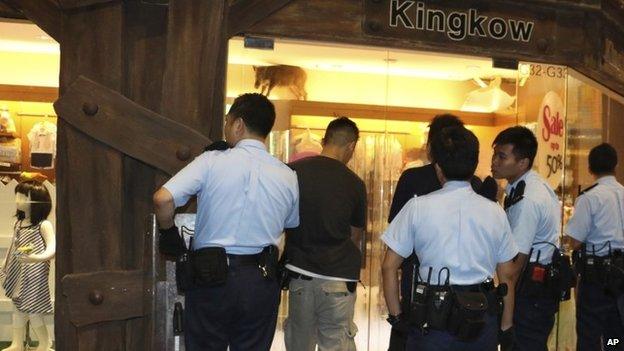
(616, 134)
(245, 13)
(133, 130)
(73, 4)
(89, 174)
(28, 93)
(145, 48)
(103, 296)
(194, 82)
(45, 13)
(7, 11)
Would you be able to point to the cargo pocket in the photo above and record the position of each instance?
(351, 332)
(295, 288)
(335, 289)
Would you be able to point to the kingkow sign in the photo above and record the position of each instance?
(457, 25)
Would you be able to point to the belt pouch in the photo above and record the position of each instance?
(184, 272)
(419, 304)
(468, 314)
(567, 278)
(534, 281)
(440, 305)
(209, 266)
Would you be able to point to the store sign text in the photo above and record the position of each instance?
(457, 25)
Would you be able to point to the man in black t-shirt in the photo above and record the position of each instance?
(322, 254)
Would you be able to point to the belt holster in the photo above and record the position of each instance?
(419, 299)
(440, 303)
(561, 278)
(534, 280)
(604, 271)
(283, 275)
(267, 262)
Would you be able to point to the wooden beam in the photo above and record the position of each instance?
(103, 296)
(28, 93)
(74, 4)
(109, 117)
(196, 64)
(45, 13)
(394, 113)
(244, 14)
(7, 11)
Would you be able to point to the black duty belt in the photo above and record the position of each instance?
(295, 275)
(243, 260)
(483, 287)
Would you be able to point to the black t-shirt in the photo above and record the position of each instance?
(331, 199)
(419, 181)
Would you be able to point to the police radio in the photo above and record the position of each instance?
(418, 299)
(441, 302)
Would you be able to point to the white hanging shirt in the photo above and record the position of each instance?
(42, 138)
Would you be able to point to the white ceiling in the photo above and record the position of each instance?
(16, 36)
(312, 55)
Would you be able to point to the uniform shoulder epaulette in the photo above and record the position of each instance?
(516, 195)
(220, 145)
(588, 189)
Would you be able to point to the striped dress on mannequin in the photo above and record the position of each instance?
(27, 283)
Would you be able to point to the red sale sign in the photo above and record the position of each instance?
(551, 139)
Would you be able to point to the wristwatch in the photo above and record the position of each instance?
(394, 320)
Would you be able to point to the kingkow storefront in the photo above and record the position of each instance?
(144, 84)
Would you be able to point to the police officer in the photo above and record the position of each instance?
(245, 199)
(420, 181)
(460, 239)
(598, 225)
(534, 214)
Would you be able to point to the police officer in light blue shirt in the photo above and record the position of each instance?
(598, 225)
(456, 233)
(245, 197)
(534, 214)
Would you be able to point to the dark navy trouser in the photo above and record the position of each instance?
(597, 318)
(435, 340)
(534, 318)
(241, 314)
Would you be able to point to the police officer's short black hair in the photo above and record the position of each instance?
(602, 159)
(456, 151)
(523, 141)
(440, 122)
(341, 131)
(257, 112)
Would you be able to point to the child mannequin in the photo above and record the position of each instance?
(27, 266)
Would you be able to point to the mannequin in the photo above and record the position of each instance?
(27, 265)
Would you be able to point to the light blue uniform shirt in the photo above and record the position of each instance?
(536, 218)
(599, 217)
(245, 197)
(455, 228)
